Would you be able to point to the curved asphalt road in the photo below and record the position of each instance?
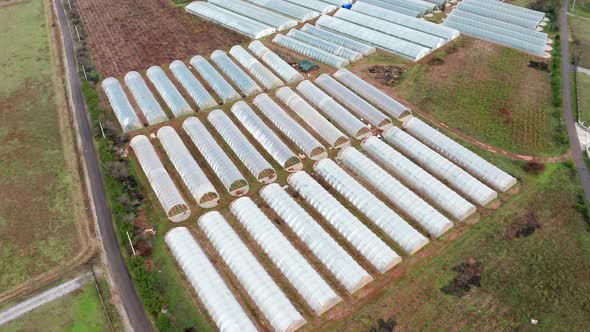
(123, 284)
(570, 121)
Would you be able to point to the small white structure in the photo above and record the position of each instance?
(280, 66)
(269, 298)
(191, 84)
(256, 69)
(289, 127)
(235, 74)
(278, 150)
(338, 39)
(217, 298)
(120, 105)
(223, 89)
(229, 175)
(408, 238)
(149, 106)
(306, 280)
(460, 155)
(342, 266)
(168, 91)
(190, 172)
(174, 205)
(369, 245)
(324, 128)
(411, 204)
(311, 51)
(240, 145)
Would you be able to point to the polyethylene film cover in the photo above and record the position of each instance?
(120, 105)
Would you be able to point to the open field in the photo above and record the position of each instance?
(41, 206)
(580, 28)
(125, 36)
(582, 8)
(485, 91)
(583, 97)
(78, 311)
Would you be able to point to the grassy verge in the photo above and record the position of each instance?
(583, 97)
(580, 46)
(40, 195)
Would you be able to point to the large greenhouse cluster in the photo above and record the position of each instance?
(503, 24)
(327, 206)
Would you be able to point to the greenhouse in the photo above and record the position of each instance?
(389, 105)
(460, 155)
(210, 75)
(190, 172)
(324, 128)
(513, 8)
(394, 7)
(403, 198)
(410, 22)
(293, 266)
(214, 294)
(268, 297)
(280, 66)
(174, 205)
(334, 111)
(333, 257)
(289, 127)
(189, 82)
(396, 228)
(497, 15)
(337, 39)
(271, 143)
(508, 9)
(287, 8)
(257, 69)
(369, 245)
(492, 22)
(246, 152)
(310, 51)
(168, 91)
(325, 45)
(440, 166)
(418, 179)
(121, 105)
(381, 40)
(230, 20)
(354, 103)
(149, 106)
(240, 79)
(319, 6)
(396, 30)
(256, 13)
(229, 175)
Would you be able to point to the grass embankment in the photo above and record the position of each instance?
(80, 311)
(583, 94)
(580, 28)
(542, 276)
(40, 195)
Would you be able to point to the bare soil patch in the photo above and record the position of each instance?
(523, 227)
(125, 36)
(469, 275)
(387, 75)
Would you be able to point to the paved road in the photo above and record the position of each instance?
(49, 295)
(570, 120)
(115, 263)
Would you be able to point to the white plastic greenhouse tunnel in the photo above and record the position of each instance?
(338, 39)
(325, 45)
(190, 172)
(310, 51)
(307, 281)
(396, 228)
(418, 179)
(174, 205)
(372, 94)
(168, 91)
(369, 245)
(271, 143)
(191, 84)
(460, 155)
(289, 127)
(213, 292)
(255, 68)
(353, 102)
(263, 15)
(149, 106)
(229, 175)
(240, 79)
(120, 105)
(334, 258)
(280, 66)
(403, 198)
(246, 152)
(324, 128)
(214, 79)
(269, 298)
(290, 9)
(440, 166)
(333, 110)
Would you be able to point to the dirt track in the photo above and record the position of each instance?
(125, 36)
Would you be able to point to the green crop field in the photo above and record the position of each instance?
(80, 311)
(40, 199)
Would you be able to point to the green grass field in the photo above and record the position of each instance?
(80, 311)
(581, 8)
(40, 195)
(584, 97)
(580, 28)
(487, 92)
